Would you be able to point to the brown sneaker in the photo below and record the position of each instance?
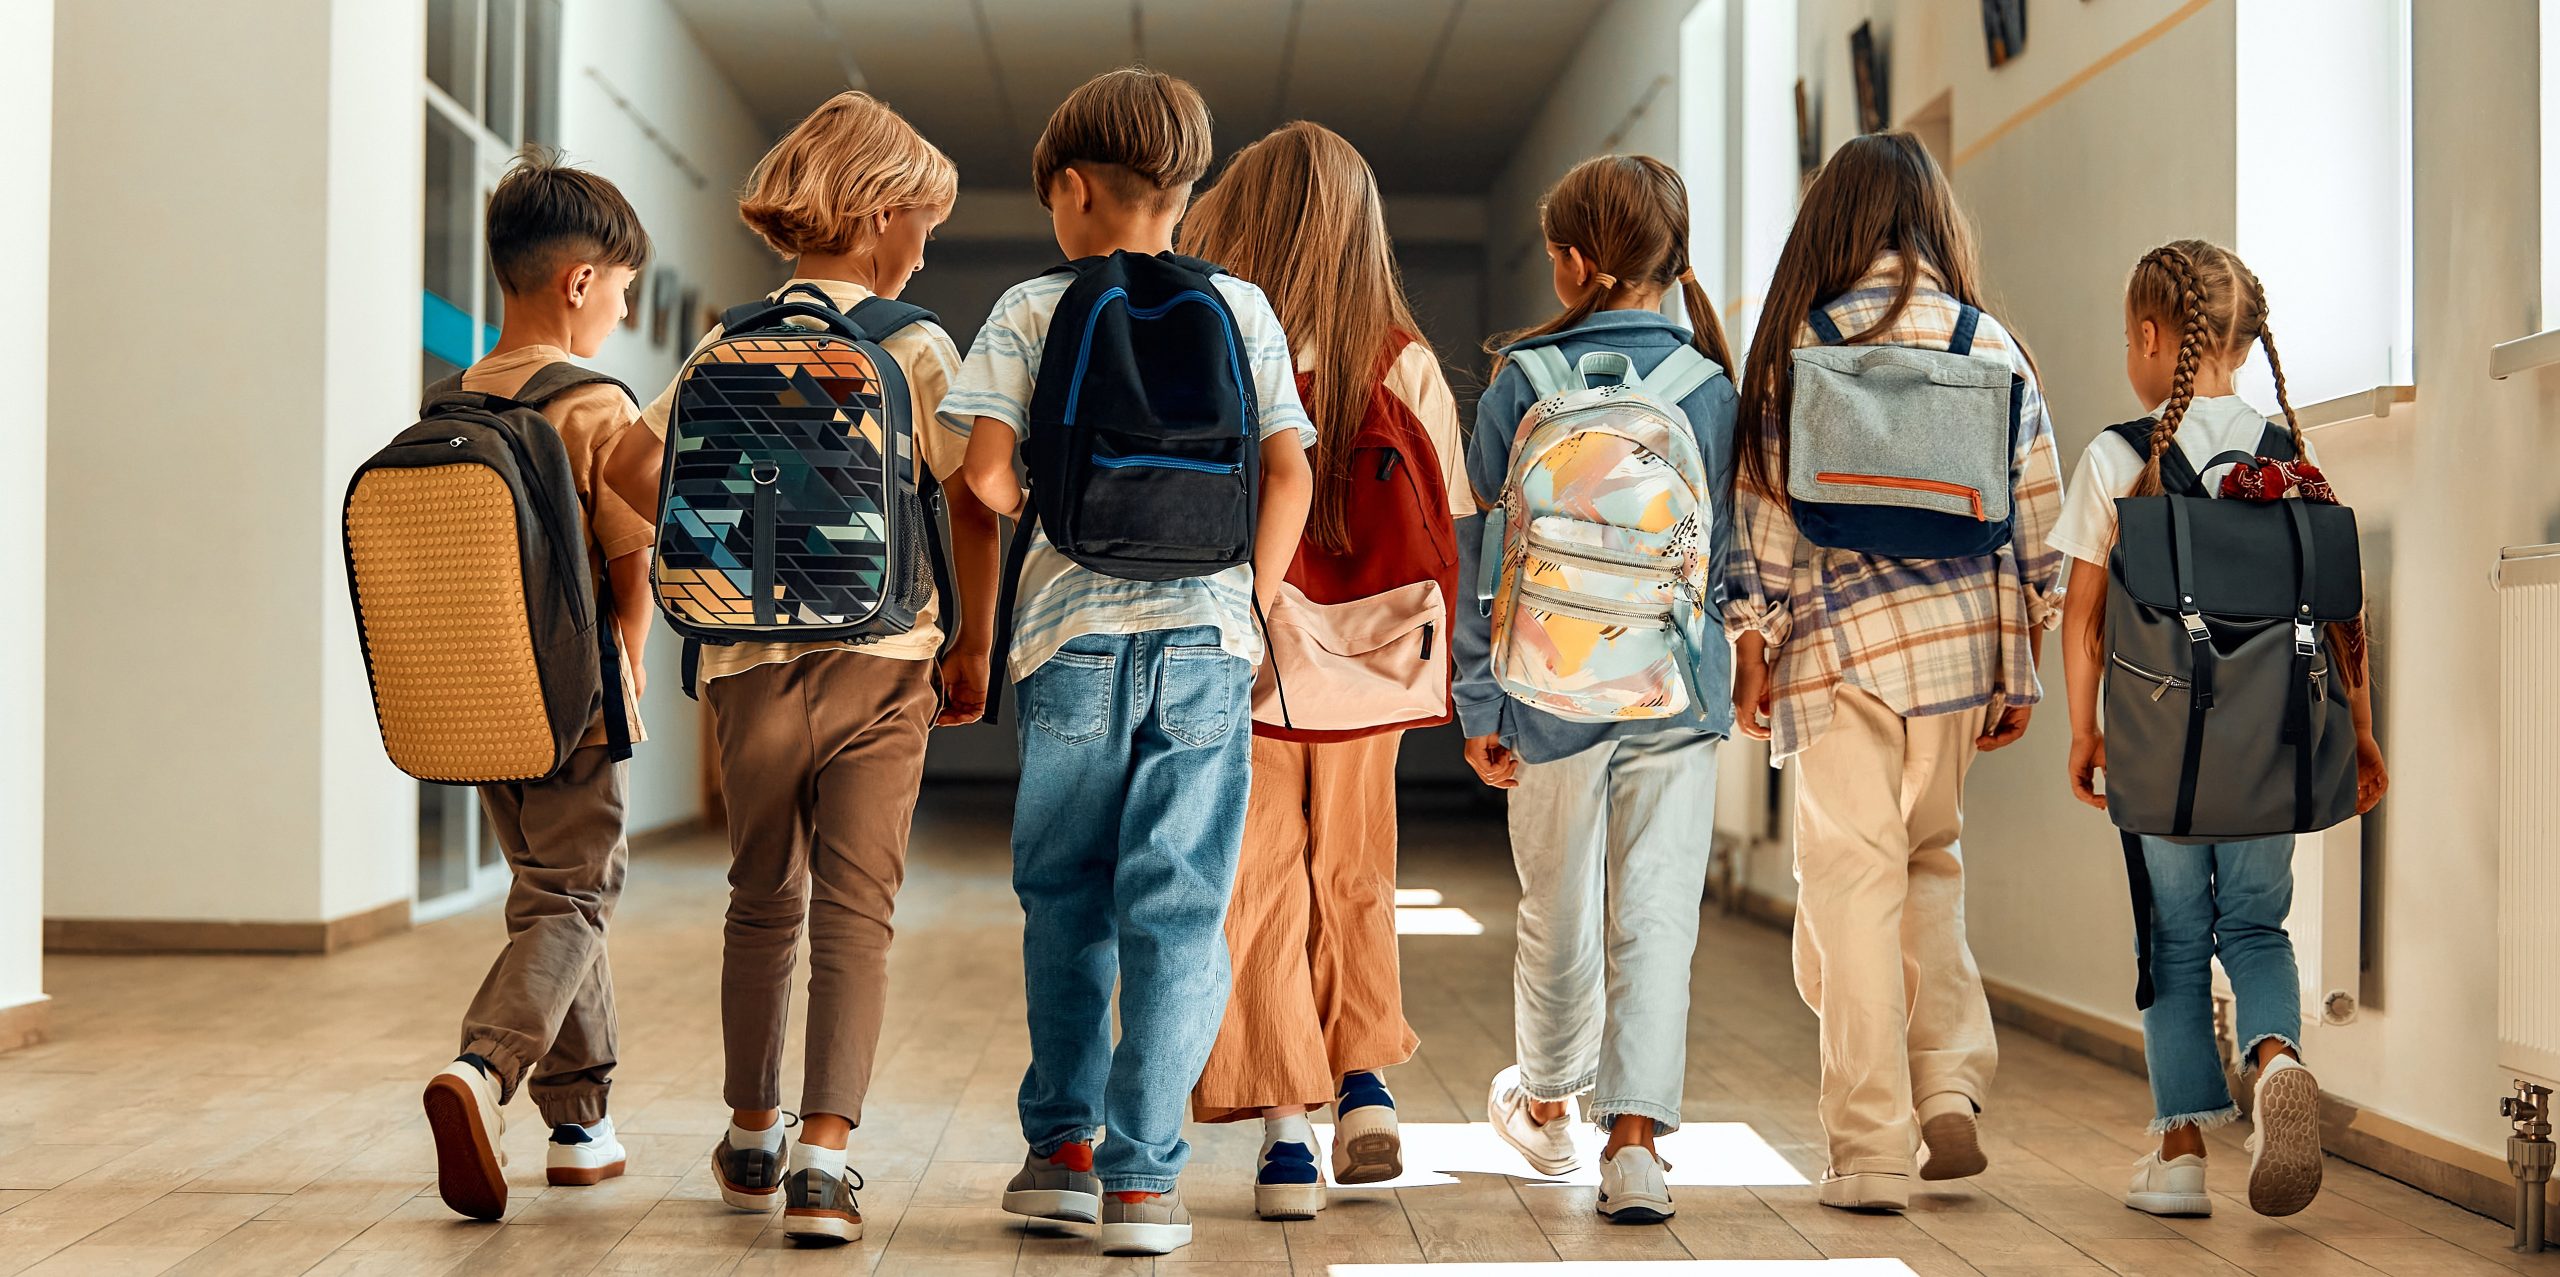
(1144, 1224)
(1952, 1134)
(1061, 1186)
(819, 1206)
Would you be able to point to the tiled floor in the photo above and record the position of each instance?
(259, 1115)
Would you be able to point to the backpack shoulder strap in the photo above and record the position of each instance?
(1679, 375)
(1823, 328)
(1548, 373)
(555, 378)
(2177, 474)
(2277, 442)
(1967, 319)
(1200, 264)
(879, 318)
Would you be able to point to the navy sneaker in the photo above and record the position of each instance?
(1288, 1185)
(1366, 1147)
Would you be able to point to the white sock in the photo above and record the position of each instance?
(769, 1139)
(1293, 1129)
(600, 1129)
(810, 1157)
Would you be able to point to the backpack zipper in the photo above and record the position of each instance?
(1155, 461)
(1547, 547)
(2162, 684)
(1934, 486)
(1547, 600)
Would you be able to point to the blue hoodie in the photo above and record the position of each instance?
(1646, 338)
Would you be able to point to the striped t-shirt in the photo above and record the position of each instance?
(1058, 600)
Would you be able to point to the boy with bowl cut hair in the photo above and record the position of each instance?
(565, 247)
(1135, 694)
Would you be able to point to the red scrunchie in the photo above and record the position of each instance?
(2272, 480)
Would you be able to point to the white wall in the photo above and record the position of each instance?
(201, 643)
(650, 59)
(26, 147)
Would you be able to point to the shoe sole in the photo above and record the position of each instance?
(1144, 1239)
(468, 1176)
(1065, 1205)
(1287, 1201)
(1861, 1198)
(1955, 1147)
(754, 1200)
(581, 1176)
(2179, 1205)
(821, 1227)
(1537, 1161)
(1637, 1213)
(2285, 1174)
(1373, 1158)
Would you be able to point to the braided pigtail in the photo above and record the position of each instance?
(2275, 366)
(2189, 295)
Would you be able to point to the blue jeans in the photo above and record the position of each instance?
(1136, 755)
(2226, 900)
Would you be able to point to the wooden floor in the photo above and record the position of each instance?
(260, 1115)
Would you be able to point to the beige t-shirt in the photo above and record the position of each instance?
(1418, 382)
(592, 421)
(925, 353)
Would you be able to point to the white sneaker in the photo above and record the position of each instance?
(580, 1156)
(1867, 1190)
(1548, 1147)
(2173, 1187)
(1153, 1224)
(1632, 1189)
(471, 1165)
(2284, 1153)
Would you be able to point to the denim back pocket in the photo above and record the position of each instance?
(1069, 696)
(1200, 691)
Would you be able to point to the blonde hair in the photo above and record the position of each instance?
(2216, 304)
(1297, 213)
(1141, 134)
(1628, 215)
(851, 159)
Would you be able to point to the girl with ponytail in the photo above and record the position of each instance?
(2193, 313)
(1883, 678)
(1610, 822)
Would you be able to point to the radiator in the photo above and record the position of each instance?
(2528, 581)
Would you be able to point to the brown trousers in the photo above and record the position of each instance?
(547, 1004)
(819, 762)
(1312, 931)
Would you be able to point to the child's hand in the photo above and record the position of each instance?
(1751, 697)
(2006, 729)
(635, 647)
(964, 688)
(2371, 777)
(1495, 765)
(2088, 757)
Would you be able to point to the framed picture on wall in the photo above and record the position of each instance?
(2004, 29)
(689, 307)
(1808, 132)
(663, 313)
(1866, 62)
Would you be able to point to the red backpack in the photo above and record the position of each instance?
(1360, 640)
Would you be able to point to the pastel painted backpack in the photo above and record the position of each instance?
(1595, 572)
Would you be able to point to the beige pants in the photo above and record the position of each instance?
(1312, 931)
(547, 1004)
(1879, 944)
(819, 762)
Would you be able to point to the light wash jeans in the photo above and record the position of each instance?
(1126, 829)
(1611, 845)
(2226, 900)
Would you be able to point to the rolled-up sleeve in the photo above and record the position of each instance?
(1760, 568)
(2038, 477)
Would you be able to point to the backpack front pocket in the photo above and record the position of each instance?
(1588, 661)
(1163, 497)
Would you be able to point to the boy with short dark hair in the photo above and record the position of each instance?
(565, 246)
(1137, 701)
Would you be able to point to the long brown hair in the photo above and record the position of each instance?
(1879, 193)
(2216, 304)
(1297, 213)
(1628, 215)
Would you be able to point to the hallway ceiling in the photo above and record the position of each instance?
(1435, 92)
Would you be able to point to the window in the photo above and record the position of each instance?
(1738, 148)
(2550, 77)
(492, 82)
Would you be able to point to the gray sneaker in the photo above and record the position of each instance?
(819, 1207)
(1061, 1186)
(1144, 1224)
(749, 1178)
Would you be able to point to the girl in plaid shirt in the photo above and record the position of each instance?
(1883, 678)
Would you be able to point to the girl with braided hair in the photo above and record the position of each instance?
(2193, 312)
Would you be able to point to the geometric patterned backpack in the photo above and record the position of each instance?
(792, 508)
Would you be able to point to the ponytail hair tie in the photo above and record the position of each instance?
(1604, 279)
(1688, 276)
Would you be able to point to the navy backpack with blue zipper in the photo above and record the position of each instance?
(1142, 456)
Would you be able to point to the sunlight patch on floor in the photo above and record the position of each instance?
(1407, 897)
(1627, 1267)
(1702, 1155)
(1437, 920)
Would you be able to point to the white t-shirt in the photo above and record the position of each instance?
(1058, 600)
(2109, 468)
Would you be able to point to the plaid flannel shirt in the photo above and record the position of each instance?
(1925, 636)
